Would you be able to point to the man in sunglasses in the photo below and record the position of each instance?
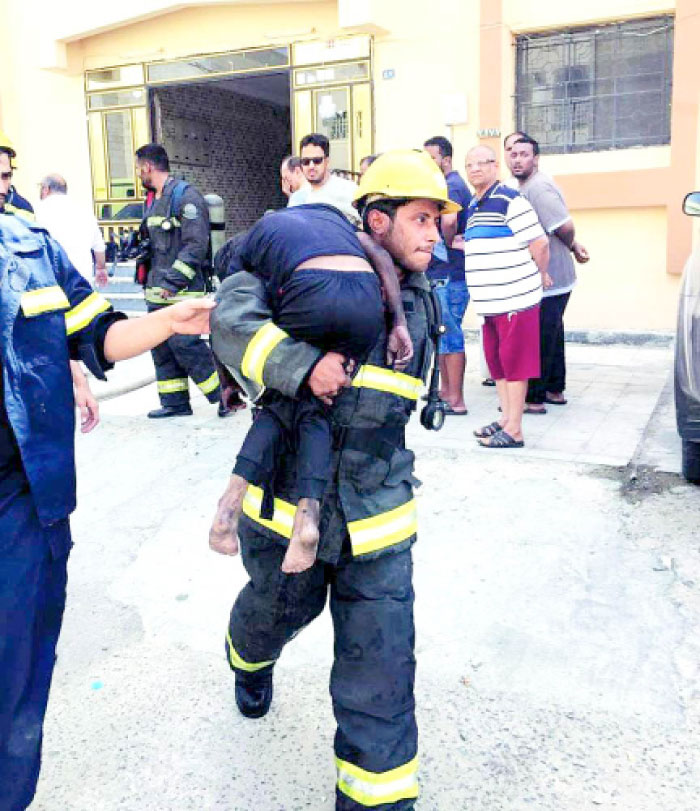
(323, 187)
(11, 200)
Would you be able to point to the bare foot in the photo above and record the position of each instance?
(301, 553)
(223, 535)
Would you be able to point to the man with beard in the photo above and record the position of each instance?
(368, 522)
(177, 224)
(323, 186)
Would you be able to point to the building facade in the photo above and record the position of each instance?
(608, 88)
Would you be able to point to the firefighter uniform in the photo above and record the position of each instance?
(179, 248)
(368, 525)
(16, 204)
(48, 314)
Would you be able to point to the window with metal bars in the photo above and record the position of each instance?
(595, 88)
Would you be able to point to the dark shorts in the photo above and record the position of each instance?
(512, 344)
(335, 310)
(454, 297)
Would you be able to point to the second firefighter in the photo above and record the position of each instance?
(176, 222)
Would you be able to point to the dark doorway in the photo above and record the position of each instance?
(228, 137)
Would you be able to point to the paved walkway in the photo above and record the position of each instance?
(558, 621)
(612, 392)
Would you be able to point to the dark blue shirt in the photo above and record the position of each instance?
(453, 268)
(281, 241)
(9, 452)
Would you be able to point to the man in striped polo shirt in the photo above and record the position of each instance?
(506, 257)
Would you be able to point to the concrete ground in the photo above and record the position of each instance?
(558, 608)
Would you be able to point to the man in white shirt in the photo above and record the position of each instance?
(73, 227)
(322, 186)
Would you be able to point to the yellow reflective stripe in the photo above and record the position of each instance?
(22, 212)
(375, 377)
(236, 660)
(376, 788)
(379, 531)
(283, 515)
(43, 300)
(153, 295)
(258, 351)
(172, 385)
(184, 268)
(82, 314)
(208, 385)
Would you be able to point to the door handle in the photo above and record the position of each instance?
(358, 123)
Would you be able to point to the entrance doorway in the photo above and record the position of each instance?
(228, 137)
(226, 122)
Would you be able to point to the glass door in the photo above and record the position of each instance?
(332, 114)
(336, 100)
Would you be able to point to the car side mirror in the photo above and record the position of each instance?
(691, 204)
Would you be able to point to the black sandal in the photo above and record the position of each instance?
(501, 439)
(488, 430)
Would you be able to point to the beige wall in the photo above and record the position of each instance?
(453, 48)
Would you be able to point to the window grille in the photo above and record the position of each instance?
(603, 87)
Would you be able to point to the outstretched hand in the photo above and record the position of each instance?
(191, 317)
(399, 350)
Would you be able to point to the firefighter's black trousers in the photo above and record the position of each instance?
(373, 672)
(178, 358)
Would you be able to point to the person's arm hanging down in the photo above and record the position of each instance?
(399, 346)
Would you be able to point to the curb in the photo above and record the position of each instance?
(124, 388)
(659, 338)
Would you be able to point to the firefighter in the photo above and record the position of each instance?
(177, 225)
(48, 314)
(11, 200)
(368, 515)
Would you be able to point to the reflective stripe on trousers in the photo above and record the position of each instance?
(373, 673)
(366, 535)
(369, 789)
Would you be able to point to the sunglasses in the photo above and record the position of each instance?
(6, 175)
(315, 161)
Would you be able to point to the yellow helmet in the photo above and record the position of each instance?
(6, 145)
(405, 173)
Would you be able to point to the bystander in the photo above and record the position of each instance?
(291, 175)
(323, 186)
(506, 254)
(446, 272)
(74, 227)
(548, 202)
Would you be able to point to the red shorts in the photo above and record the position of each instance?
(512, 344)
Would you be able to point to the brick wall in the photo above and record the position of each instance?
(226, 144)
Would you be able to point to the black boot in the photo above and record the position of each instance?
(254, 693)
(170, 411)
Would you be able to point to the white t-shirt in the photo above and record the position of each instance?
(337, 191)
(74, 228)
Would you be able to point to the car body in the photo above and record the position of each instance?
(687, 361)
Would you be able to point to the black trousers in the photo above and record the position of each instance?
(285, 426)
(373, 673)
(552, 361)
(178, 358)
